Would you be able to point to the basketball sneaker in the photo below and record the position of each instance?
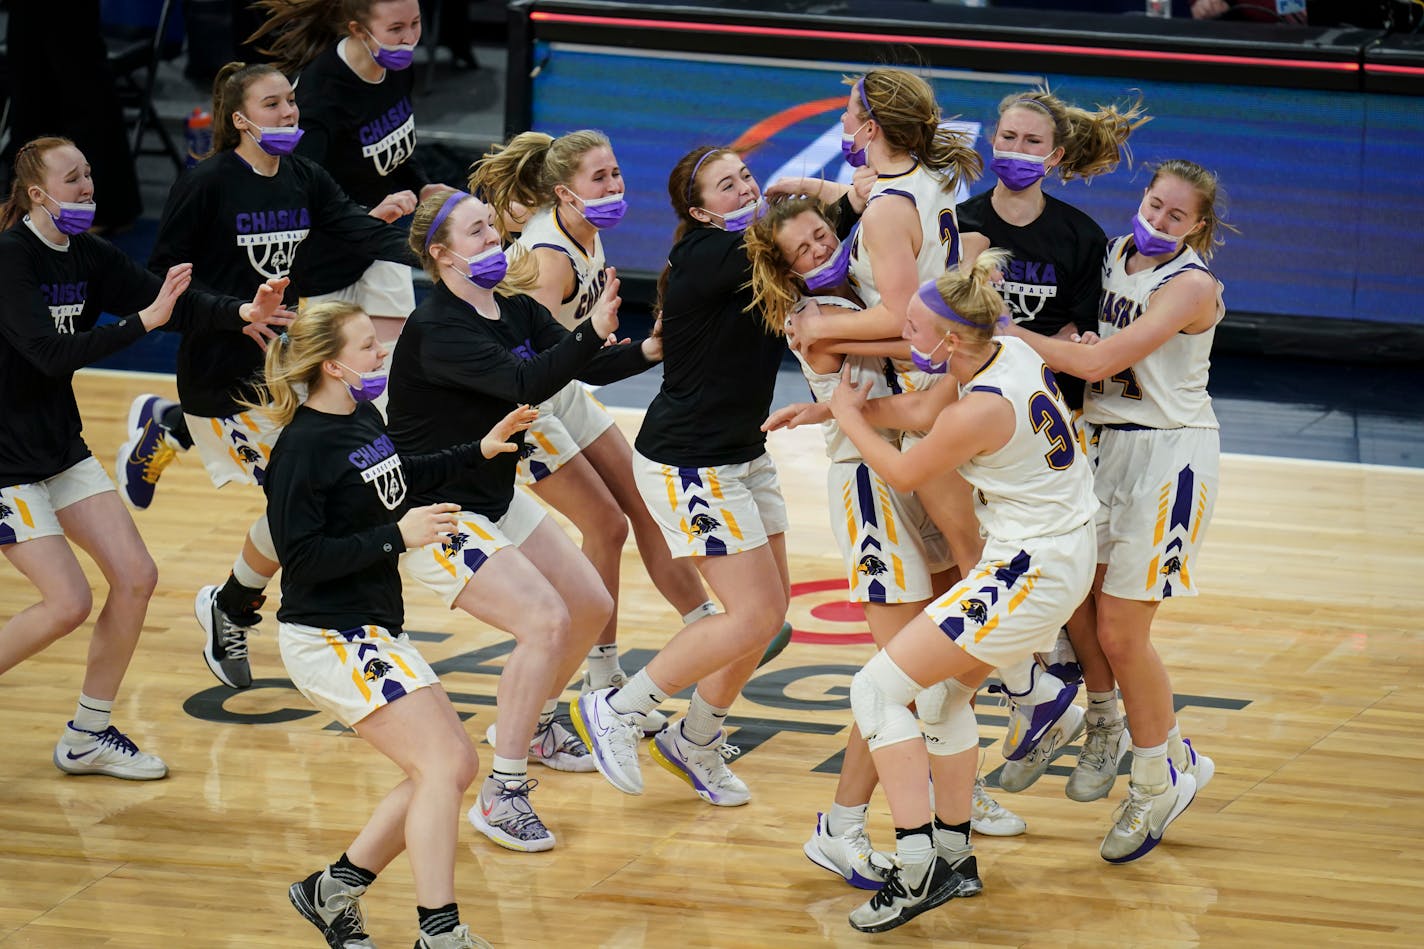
(1144, 817)
(848, 855)
(910, 889)
(1097, 768)
(458, 938)
(1019, 775)
(334, 908)
(703, 767)
(502, 813)
(649, 724)
(991, 818)
(109, 752)
(555, 745)
(1029, 723)
(777, 646)
(966, 865)
(1199, 766)
(226, 648)
(611, 738)
(146, 453)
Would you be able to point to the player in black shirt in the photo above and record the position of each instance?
(239, 217)
(58, 279)
(471, 351)
(355, 90)
(337, 496)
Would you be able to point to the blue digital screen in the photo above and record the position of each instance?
(1324, 186)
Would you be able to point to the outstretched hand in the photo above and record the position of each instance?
(798, 413)
(605, 311)
(176, 281)
(498, 440)
(266, 306)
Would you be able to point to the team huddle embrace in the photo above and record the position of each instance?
(1023, 456)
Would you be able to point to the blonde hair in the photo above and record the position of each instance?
(904, 107)
(776, 288)
(1212, 208)
(1092, 142)
(302, 29)
(294, 359)
(523, 273)
(972, 296)
(229, 89)
(30, 170)
(526, 169)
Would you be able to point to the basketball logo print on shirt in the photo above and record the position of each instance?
(1027, 286)
(65, 302)
(389, 139)
(271, 238)
(380, 467)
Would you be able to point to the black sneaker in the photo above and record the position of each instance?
(334, 908)
(226, 648)
(909, 890)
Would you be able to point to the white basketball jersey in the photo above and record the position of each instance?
(545, 230)
(1040, 483)
(864, 369)
(1167, 387)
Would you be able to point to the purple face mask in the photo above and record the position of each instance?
(1016, 170)
(393, 57)
(73, 217)
(604, 213)
(831, 273)
(486, 270)
(372, 383)
(1151, 242)
(925, 361)
(278, 140)
(742, 218)
(855, 157)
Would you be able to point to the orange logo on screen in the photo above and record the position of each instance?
(833, 621)
(767, 128)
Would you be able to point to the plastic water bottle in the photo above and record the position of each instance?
(199, 135)
(1162, 8)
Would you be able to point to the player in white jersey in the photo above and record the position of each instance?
(1010, 436)
(895, 558)
(1157, 470)
(575, 458)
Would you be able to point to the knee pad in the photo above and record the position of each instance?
(947, 718)
(880, 696)
(261, 536)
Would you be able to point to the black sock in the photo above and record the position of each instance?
(440, 920)
(902, 832)
(234, 599)
(347, 872)
(176, 425)
(957, 828)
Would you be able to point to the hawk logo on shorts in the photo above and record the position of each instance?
(248, 454)
(376, 669)
(1173, 565)
(455, 543)
(704, 523)
(976, 611)
(5, 511)
(527, 449)
(871, 566)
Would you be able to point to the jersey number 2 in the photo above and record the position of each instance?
(949, 237)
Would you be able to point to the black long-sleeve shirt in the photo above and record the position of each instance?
(240, 229)
(456, 373)
(336, 488)
(363, 134)
(52, 301)
(719, 363)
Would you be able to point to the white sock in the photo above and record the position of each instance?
(92, 715)
(546, 714)
(915, 848)
(248, 576)
(840, 820)
(603, 665)
(509, 769)
(1149, 767)
(1102, 708)
(704, 720)
(1176, 750)
(640, 695)
(698, 612)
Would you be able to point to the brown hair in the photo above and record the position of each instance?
(229, 89)
(776, 288)
(523, 273)
(1092, 142)
(904, 107)
(1213, 204)
(29, 170)
(685, 193)
(526, 169)
(972, 296)
(302, 29)
(293, 363)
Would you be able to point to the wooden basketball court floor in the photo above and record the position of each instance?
(1300, 670)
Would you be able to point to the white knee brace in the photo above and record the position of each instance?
(261, 536)
(948, 718)
(880, 697)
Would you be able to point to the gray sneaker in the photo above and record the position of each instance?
(909, 890)
(1097, 769)
(458, 938)
(226, 649)
(334, 908)
(1020, 775)
(1144, 817)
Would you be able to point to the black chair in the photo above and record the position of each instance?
(133, 62)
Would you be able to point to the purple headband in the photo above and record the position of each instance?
(929, 295)
(440, 216)
(860, 88)
(692, 181)
(1035, 103)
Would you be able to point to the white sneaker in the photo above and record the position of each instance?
(649, 724)
(502, 813)
(704, 767)
(1019, 775)
(909, 890)
(458, 938)
(109, 752)
(1143, 818)
(332, 907)
(849, 855)
(611, 738)
(1199, 766)
(991, 818)
(1096, 771)
(555, 746)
